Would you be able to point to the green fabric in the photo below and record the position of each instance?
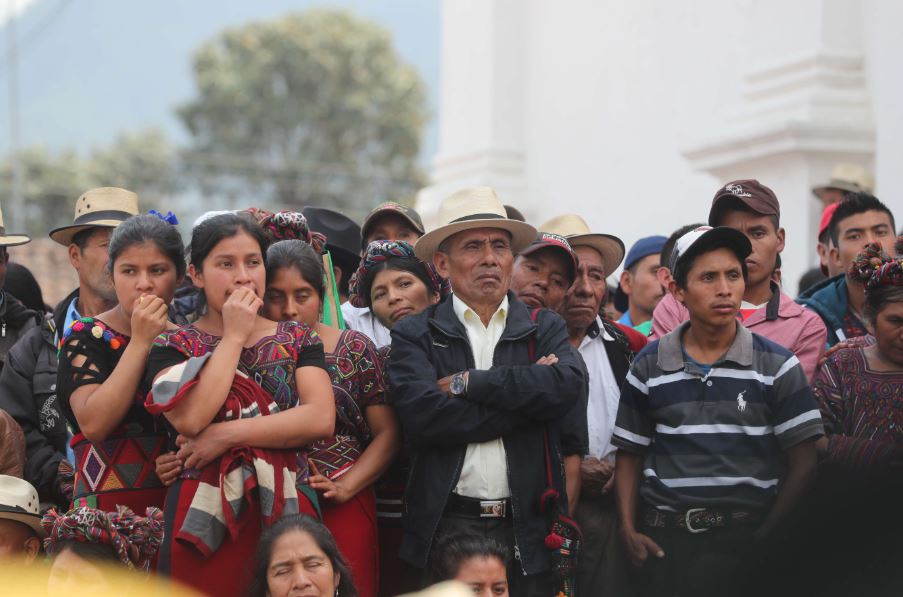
(332, 306)
(644, 328)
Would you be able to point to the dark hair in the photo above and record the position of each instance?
(856, 203)
(452, 551)
(96, 552)
(414, 267)
(22, 284)
(142, 229)
(810, 279)
(879, 297)
(80, 239)
(668, 247)
(301, 256)
(684, 267)
(211, 231)
(321, 536)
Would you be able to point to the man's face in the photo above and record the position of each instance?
(478, 265)
(642, 285)
(18, 544)
(856, 231)
(91, 264)
(584, 298)
(767, 242)
(714, 288)
(392, 227)
(541, 278)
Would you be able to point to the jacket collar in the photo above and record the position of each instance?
(517, 325)
(671, 354)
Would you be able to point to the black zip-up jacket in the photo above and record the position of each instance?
(514, 400)
(28, 393)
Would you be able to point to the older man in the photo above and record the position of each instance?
(20, 522)
(28, 382)
(607, 349)
(474, 406)
(544, 271)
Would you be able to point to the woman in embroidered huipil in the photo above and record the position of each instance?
(345, 466)
(244, 394)
(101, 365)
(394, 284)
(860, 389)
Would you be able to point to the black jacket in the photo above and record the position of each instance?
(15, 321)
(28, 393)
(513, 400)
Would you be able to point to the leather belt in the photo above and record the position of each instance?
(477, 508)
(700, 520)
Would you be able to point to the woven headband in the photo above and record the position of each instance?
(380, 251)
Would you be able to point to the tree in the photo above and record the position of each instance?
(143, 162)
(311, 108)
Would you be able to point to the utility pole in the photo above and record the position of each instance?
(15, 214)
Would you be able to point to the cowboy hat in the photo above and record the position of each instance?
(106, 207)
(575, 229)
(848, 177)
(19, 502)
(476, 207)
(11, 240)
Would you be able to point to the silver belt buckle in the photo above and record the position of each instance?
(492, 508)
(689, 513)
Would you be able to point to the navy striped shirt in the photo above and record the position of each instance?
(714, 439)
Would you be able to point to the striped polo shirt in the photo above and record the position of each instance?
(714, 439)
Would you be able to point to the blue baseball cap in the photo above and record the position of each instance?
(650, 245)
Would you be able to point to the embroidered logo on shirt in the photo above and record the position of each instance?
(741, 403)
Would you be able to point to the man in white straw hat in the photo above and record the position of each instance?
(28, 383)
(845, 179)
(472, 399)
(20, 521)
(15, 318)
(607, 349)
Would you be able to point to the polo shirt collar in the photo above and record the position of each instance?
(462, 310)
(671, 354)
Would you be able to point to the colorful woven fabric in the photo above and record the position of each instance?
(874, 268)
(239, 479)
(134, 539)
(287, 225)
(380, 251)
(358, 381)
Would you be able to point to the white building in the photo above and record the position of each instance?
(632, 113)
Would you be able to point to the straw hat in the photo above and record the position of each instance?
(848, 177)
(575, 229)
(106, 206)
(476, 207)
(19, 502)
(11, 240)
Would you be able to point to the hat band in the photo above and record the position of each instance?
(107, 214)
(485, 216)
(4, 508)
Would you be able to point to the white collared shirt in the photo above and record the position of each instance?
(485, 471)
(604, 393)
(361, 319)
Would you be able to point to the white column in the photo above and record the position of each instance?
(481, 113)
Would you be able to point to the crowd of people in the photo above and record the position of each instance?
(295, 404)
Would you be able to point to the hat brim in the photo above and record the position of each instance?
(522, 235)
(610, 247)
(31, 520)
(368, 223)
(13, 240)
(64, 234)
(718, 238)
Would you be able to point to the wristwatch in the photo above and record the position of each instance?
(458, 385)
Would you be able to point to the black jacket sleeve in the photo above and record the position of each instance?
(17, 398)
(428, 415)
(573, 428)
(539, 392)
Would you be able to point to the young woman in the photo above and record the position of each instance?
(477, 561)
(366, 439)
(101, 365)
(203, 373)
(394, 284)
(299, 556)
(86, 542)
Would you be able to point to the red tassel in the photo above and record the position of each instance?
(554, 541)
(549, 496)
